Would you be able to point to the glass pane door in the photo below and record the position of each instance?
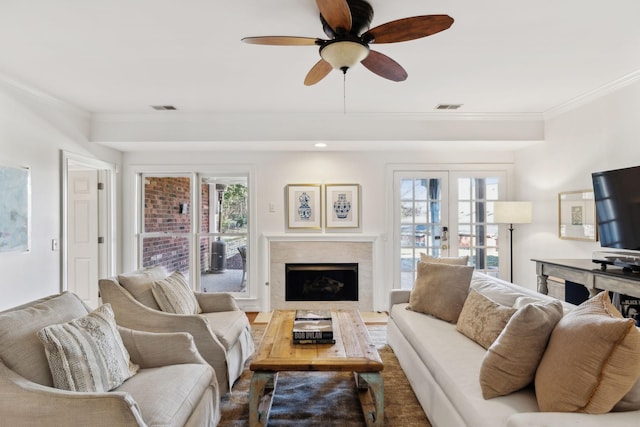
(223, 233)
(420, 219)
(476, 234)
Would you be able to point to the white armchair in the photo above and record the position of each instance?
(174, 386)
(221, 332)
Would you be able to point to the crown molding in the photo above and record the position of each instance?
(592, 95)
(43, 96)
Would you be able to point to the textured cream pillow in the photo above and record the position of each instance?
(174, 295)
(87, 354)
(138, 284)
(511, 362)
(457, 260)
(482, 320)
(592, 360)
(440, 290)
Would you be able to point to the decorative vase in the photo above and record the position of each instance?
(304, 210)
(342, 206)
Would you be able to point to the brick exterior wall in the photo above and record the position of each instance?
(163, 197)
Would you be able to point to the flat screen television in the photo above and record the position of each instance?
(617, 197)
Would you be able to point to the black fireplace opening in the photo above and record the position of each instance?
(321, 282)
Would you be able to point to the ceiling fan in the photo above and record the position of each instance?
(346, 23)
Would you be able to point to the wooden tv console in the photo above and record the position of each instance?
(587, 273)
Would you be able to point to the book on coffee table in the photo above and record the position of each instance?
(313, 315)
(313, 330)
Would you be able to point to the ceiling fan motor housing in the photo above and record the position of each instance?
(361, 17)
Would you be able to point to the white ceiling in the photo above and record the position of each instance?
(499, 57)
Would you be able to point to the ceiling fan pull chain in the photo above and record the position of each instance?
(344, 93)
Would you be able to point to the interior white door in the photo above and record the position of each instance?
(82, 235)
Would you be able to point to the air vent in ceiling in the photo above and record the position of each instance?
(164, 107)
(448, 106)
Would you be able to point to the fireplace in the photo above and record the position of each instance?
(321, 282)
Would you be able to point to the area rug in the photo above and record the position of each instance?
(323, 399)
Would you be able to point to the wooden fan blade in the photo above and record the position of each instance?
(317, 72)
(406, 29)
(384, 66)
(336, 13)
(281, 40)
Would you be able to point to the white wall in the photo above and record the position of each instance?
(603, 134)
(33, 130)
(600, 135)
(274, 170)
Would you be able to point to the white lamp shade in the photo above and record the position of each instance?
(344, 54)
(512, 212)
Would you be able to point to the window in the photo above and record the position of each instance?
(197, 224)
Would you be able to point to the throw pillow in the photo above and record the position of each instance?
(482, 320)
(458, 260)
(174, 295)
(138, 284)
(591, 362)
(511, 362)
(87, 354)
(440, 290)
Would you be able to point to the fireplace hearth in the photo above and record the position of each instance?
(321, 282)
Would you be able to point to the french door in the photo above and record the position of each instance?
(446, 213)
(421, 220)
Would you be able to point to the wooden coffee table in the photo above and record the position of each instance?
(353, 351)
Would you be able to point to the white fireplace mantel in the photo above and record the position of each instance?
(320, 237)
(282, 248)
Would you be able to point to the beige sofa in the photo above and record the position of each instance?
(173, 387)
(443, 367)
(221, 332)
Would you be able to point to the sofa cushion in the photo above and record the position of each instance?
(504, 294)
(591, 362)
(21, 350)
(87, 353)
(138, 284)
(454, 361)
(440, 290)
(173, 295)
(511, 362)
(457, 260)
(168, 395)
(482, 320)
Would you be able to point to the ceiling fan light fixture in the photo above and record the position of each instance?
(344, 54)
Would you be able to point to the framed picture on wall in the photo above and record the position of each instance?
(304, 206)
(15, 209)
(577, 215)
(342, 205)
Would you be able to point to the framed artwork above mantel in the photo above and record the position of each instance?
(342, 205)
(304, 206)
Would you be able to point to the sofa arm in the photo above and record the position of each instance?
(152, 350)
(216, 302)
(23, 402)
(398, 296)
(537, 419)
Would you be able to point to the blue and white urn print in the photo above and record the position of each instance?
(304, 210)
(342, 206)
